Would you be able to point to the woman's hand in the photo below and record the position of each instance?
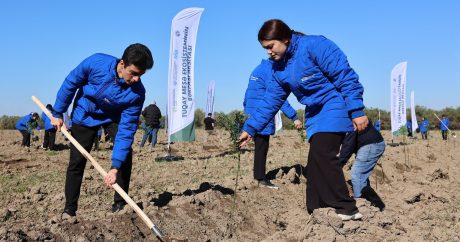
(244, 139)
(360, 123)
(298, 124)
(111, 178)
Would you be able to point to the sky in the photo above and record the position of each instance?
(42, 41)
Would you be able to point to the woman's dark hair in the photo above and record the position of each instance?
(49, 107)
(138, 55)
(275, 29)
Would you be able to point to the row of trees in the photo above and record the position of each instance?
(8, 122)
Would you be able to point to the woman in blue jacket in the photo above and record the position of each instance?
(26, 125)
(106, 91)
(318, 73)
(258, 82)
(50, 132)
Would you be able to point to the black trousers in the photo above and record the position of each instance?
(325, 180)
(85, 136)
(424, 135)
(444, 134)
(25, 138)
(262, 143)
(49, 139)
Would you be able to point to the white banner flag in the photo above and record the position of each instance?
(398, 97)
(210, 100)
(278, 122)
(412, 112)
(181, 85)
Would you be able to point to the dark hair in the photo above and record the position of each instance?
(209, 114)
(138, 55)
(49, 107)
(275, 29)
(35, 115)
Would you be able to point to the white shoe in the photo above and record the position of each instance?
(356, 216)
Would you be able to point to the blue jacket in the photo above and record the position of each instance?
(258, 82)
(27, 123)
(446, 124)
(101, 98)
(377, 125)
(409, 126)
(424, 126)
(318, 74)
(47, 122)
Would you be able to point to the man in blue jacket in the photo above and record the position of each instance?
(26, 125)
(424, 125)
(444, 126)
(106, 91)
(257, 86)
(50, 132)
(409, 128)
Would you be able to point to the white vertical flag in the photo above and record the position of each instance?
(412, 112)
(398, 97)
(278, 122)
(210, 100)
(181, 85)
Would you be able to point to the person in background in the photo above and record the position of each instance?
(368, 147)
(444, 126)
(409, 128)
(209, 123)
(377, 125)
(152, 116)
(317, 72)
(26, 125)
(50, 132)
(424, 126)
(106, 91)
(258, 82)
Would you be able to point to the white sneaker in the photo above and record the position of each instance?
(356, 216)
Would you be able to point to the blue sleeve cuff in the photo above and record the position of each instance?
(357, 114)
(57, 115)
(294, 118)
(116, 163)
(249, 130)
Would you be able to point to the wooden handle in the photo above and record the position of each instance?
(96, 165)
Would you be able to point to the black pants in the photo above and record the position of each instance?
(424, 135)
(262, 143)
(49, 139)
(25, 138)
(325, 180)
(85, 136)
(444, 134)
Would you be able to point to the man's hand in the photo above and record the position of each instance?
(57, 122)
(298, 124)
(360, 123)
(244, 139)
(110, 178)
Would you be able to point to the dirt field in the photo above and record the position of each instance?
(195, 199)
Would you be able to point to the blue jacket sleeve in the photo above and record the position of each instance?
(272, 101)
(76, 79)
(125, 134)
(289, 111)
(334, 64)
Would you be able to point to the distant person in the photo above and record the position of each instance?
(317, 72)
(26, 126)
(106, 91)
(50, 132)
(424, 126)
(152, 116)
(444, 126)
(377, 125)
(409, 128)
(257, 86)
(209, 123)
(368, 147)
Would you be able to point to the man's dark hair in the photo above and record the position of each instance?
(209, 114)
(138, 55)
(49, 107)
(275, 29)
(35, 115)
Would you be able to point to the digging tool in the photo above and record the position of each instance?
(96, 165)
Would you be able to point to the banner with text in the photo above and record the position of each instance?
(412, 112)
(210, 99)
(398, 97)
(181, 85)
